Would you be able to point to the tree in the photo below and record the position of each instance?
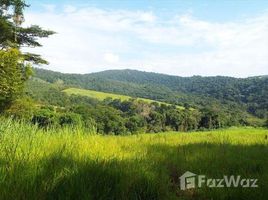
(22, 109)
(45, 118)
(12, 35)
(135, 124)
(155, 122)
(174, 119)
(266, 123)
(14, 65)
(70, 119)
(12, 76)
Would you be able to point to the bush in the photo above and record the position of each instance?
(22, 109)
(70, 119)
(135, 124)
(89, 125)
(45, 118)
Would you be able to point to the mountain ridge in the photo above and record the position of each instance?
(149, 72)
(251, 93)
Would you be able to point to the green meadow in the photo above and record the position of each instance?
(71, 164)
(103, 95)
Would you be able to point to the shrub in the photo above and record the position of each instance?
(45, 118)
(135, 123)
(22, 109)
(70, 119)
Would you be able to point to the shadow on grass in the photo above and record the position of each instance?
(156, 176)
(61, 177)
(214, 161)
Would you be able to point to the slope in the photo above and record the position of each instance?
(104, 95)
(245, 94)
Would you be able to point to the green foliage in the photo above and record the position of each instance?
(174, 119)
(22, 109)
(13, 69)
(227, 93)
(136, 124)
(106, 96)
(108, 119)
(13, 74)
(48, 118)
(12, 34)
(266, 123)
(70, 119)
(16, 5)
(45, 118)
(45, 93)
(114, 116)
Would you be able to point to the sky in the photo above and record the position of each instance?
(177, 37)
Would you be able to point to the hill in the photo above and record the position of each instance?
(245, 94)
(252, 91)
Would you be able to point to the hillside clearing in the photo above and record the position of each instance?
(103, 95)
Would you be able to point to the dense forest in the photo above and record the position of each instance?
(54, 108)
(44, 103)
(249, 94)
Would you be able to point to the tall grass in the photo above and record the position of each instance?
(71, 164)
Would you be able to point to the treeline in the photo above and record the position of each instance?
(245, 94)
(45, 105)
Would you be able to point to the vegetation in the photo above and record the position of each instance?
(98, 95)
(114, 116)
(120, 114)
(15, 65)
(52, 143)
(13, 76)
(248, 95)
(45, 102)
(69, 163)
(104, 95)
(13, 35)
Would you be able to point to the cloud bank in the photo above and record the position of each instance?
(92, 39)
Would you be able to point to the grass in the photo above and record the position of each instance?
(103, 95)
(70, 164)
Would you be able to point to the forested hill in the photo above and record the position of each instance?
(248, 93)
(239, 89)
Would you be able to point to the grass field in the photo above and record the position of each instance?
(103, 95)
(69, 164)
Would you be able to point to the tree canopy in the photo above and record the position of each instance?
(14, 64)
(13, 35)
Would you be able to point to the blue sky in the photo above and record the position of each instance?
(213, 10)
(198, 37)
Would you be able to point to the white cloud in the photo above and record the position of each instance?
(111, 58)
(69, 9)
(49, 7)
(147, 17)
(92, 39)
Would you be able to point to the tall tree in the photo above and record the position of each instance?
(13, 35)
(13, 74)
(15, 65)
